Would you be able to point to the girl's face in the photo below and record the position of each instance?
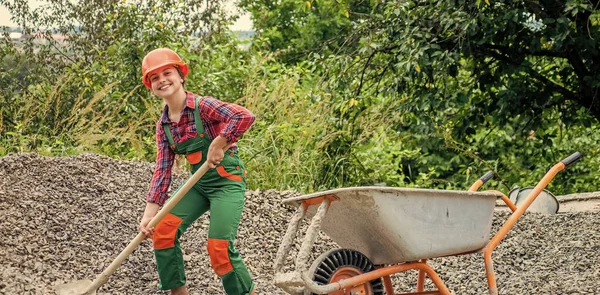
(165, 81)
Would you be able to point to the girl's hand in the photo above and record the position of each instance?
(144, 226)
(216, 151)
(215, 156)
(149, 213)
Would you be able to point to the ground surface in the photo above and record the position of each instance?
(64, 219)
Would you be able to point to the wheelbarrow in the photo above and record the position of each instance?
(387, 230)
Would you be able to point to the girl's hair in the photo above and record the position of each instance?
(181, 75)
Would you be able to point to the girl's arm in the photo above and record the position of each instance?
(161, 179)
(237, 118)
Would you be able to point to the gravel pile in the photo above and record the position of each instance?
(66, 219)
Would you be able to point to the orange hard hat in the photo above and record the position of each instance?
(159, 58)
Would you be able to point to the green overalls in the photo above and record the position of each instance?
(220, 190)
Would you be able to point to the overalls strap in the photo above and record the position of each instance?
(198, 122)
(199, 127)
(168, 134)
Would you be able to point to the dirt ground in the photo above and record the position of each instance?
(586, 202)
(66, 218)
(573, 203)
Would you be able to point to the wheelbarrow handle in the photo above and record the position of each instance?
(481, 181)
(486, 177)
(572, 158)
(514, 217)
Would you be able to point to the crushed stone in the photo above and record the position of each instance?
(66, 218)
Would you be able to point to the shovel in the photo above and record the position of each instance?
(87, 287)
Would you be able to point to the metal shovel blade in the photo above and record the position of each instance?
(75, 288)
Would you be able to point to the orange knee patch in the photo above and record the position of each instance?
(165, 232)
(219, 256)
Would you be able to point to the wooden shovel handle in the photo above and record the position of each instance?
(178, 195)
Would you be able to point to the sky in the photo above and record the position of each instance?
(243, 23)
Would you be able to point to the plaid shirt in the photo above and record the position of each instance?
(218, 118)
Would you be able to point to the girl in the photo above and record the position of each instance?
(199, 128)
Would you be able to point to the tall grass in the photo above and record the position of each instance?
(52, 122)
(281, 149)
(298, 129)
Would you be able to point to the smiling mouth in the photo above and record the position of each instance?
(164, 87)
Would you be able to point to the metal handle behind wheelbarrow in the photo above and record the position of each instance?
(487, 177)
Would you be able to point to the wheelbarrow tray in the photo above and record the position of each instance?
(394, 225)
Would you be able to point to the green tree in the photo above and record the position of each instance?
(480, 76)
(472, 85)
(114, 29)
(296, 29)
(525, 56)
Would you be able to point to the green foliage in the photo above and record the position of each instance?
(400, 93)
(106, 41)
(297, 29)
(434, 59)
(49, 81)
(219, 68)
(525, 56)
(307, 139)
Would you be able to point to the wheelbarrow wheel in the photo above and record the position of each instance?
(339, 264)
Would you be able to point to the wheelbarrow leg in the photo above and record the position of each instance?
(290, 235)
(385, 272)
(421, 278)
(489, 272)
(437, 281)
(311, 235)
(387, 284)
(389, 288)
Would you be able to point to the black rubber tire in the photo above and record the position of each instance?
(329, 262)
